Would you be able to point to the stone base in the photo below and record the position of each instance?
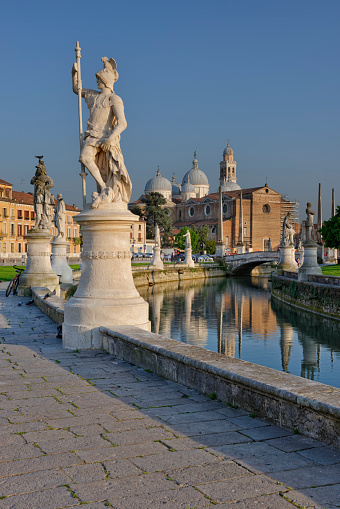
(332, 256)
(240, 248)
(310, 263)
(189, 262)
(287, 260)
(38, 271)
(220, 250)
(156, 261)
(106, 294)
(59, 260)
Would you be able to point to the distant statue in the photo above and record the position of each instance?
(101, 153)
(59, 216)
(43, 200)
(270, 248)
(157, 236)
(187, 239)
(309, 237)
(287, 232)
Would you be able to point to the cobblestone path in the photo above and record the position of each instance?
(86, 428)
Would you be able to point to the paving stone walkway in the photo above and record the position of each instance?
(86, 428)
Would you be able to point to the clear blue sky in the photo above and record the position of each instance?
(263, 74)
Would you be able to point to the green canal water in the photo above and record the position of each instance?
(236, 317)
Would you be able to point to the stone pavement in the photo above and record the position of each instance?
(86, 428)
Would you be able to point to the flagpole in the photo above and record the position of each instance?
(83, 173)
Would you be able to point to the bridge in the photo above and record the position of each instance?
(245, 262)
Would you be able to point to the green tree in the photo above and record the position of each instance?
(331, 231)
(210, 246)
(203, 237)
(155, 213)
(180, 239)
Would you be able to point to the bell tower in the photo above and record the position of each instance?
(227, 166)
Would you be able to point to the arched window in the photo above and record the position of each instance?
(207, 210)
(225, 208)
(266, 208)
(191, 211)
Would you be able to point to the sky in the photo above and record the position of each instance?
(193, 74)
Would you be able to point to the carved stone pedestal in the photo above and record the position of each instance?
(38, 270)
(106, 294)
(189, 262)
(156, 261)
(59, 260)
(220, 250)
(240, 248)
(287, 260)
(310, 262)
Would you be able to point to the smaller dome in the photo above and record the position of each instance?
(228, 151)
(188, 187)
(158, 183)
(230, 186)
(176, 188)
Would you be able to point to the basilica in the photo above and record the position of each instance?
(253, 215)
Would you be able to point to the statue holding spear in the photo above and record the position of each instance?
(100, 150)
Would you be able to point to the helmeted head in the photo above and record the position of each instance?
(59, 196)
(109, 74)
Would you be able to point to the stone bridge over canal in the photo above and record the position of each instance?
(245, 262)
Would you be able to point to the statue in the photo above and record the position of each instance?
(101, 153)
(287, 232)
(43, 200)
(157, 236)
(59, 216)
(309, 237)
(187, 239)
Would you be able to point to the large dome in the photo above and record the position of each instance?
(196, 176)
(158, 183)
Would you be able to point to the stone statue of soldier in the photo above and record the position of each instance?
(101, 153)
(287, 232)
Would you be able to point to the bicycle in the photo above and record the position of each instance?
(14, 283)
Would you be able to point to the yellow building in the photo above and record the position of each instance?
(18, 217)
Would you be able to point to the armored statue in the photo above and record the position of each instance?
(59, 216)
(287, 232)
(101, 153)
(43, 199)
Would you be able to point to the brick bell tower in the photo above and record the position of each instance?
(227, 166)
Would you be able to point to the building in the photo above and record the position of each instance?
(191, 204)
(18, 217)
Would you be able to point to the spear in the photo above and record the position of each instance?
(83, 173)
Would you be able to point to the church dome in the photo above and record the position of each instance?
(158, 183)
(230, 186)
(228, 151)
(176, 188)
(196, 176)
(188, 187)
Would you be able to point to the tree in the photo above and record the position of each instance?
(210, 246)
(180, 241)
(155, 213)
(203, 237)
(331, 231)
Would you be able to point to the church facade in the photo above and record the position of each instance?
(258, 212)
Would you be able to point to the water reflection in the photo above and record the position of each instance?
(237, 318)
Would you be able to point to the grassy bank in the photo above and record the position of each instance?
(331, 270)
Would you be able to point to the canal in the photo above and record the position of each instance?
(236, 317)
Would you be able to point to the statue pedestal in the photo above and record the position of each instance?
(240, 248)
(106, 294)
(310, 262)
(38, 270)
(220, 250)
(189, 262)
(156, 261)
(332, 256)
(59, 260)
(287, 260)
